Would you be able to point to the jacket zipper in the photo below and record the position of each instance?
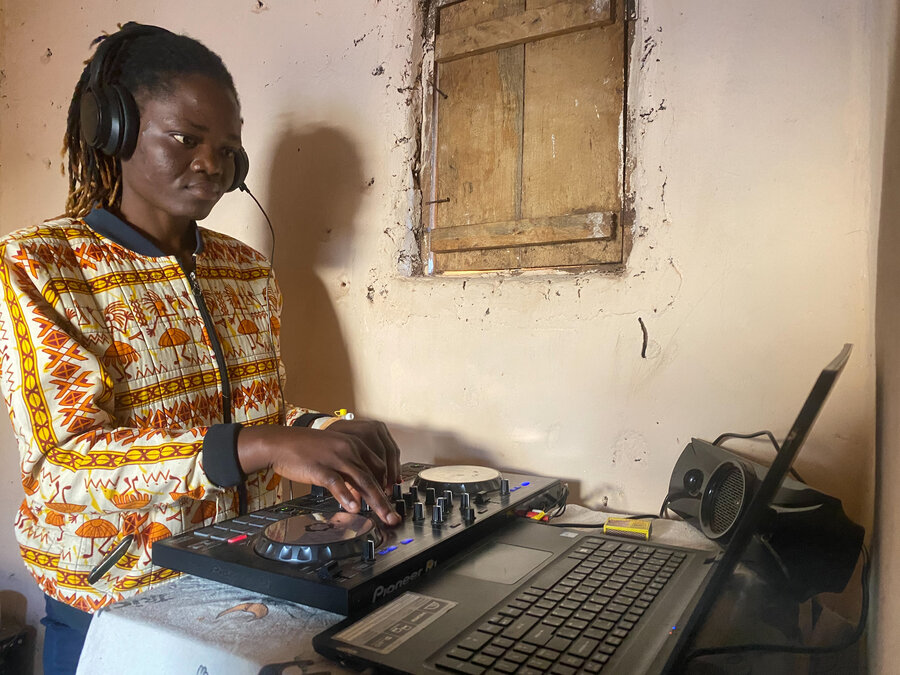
(214, 341)
(223, 368)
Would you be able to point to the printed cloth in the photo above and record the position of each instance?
(111, 360)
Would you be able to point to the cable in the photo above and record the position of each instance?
(559, 504)
(282, 413)
(796, 649)
(756, 435)
(637, 517)
(668, 500)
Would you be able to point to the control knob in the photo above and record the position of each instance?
(418, 512)
(411, 497)
(368, 554)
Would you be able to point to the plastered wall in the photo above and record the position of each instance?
(886, 618)
(756, 130)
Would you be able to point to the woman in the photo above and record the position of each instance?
(140, 351)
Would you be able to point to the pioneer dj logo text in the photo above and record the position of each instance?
(385, 591)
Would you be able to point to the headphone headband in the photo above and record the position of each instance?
(113, 43)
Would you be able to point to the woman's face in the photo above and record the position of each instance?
(184, 158)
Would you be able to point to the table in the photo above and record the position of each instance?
(196, 626)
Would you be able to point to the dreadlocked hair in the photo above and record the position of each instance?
(146, 65)
(94, 178)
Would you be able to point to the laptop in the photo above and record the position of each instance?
(543, 599)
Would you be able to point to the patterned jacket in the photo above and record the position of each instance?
(113, 365)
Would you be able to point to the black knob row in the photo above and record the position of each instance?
(408, 502)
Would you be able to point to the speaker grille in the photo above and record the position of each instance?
(727, 505)
(723, 499)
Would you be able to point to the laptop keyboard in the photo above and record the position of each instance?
(574, 615)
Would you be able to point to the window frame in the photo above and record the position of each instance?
(623, 217)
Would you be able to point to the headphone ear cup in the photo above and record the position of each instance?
(94, 129)
(241, 169)
(111, 110)
(130, 123)
(123, 122)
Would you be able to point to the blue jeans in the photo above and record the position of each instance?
(65, 631)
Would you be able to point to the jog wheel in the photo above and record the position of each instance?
(317, 537)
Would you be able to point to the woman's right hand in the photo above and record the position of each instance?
(341, 463)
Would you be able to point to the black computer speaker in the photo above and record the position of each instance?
(806, 541)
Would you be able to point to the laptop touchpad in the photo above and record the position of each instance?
(502, 563)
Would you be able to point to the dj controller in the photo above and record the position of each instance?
(309, 550)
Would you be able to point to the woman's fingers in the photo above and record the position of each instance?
(392, 454)
(334, 460)
(351, 463)
(385, 461)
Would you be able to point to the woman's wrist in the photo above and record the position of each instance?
(254, 448)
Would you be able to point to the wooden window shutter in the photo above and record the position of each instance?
(524, 166)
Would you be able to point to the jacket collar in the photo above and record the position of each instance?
(114, 228)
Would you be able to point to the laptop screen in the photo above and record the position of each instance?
(751, 520)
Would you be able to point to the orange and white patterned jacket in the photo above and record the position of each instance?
(112, 362)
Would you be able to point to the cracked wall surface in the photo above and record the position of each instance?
(749, 266)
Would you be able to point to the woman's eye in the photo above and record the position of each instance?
(184, 139)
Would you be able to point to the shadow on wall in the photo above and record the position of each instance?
(315, 185)
(886, 543)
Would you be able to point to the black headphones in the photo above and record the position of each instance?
(109, 115)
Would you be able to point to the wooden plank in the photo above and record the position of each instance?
(558, 229)
(554, 256)
(471, 12)
(479, 139)
(540, 4)
(574, 108)
(531, 24)
(572, 100)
